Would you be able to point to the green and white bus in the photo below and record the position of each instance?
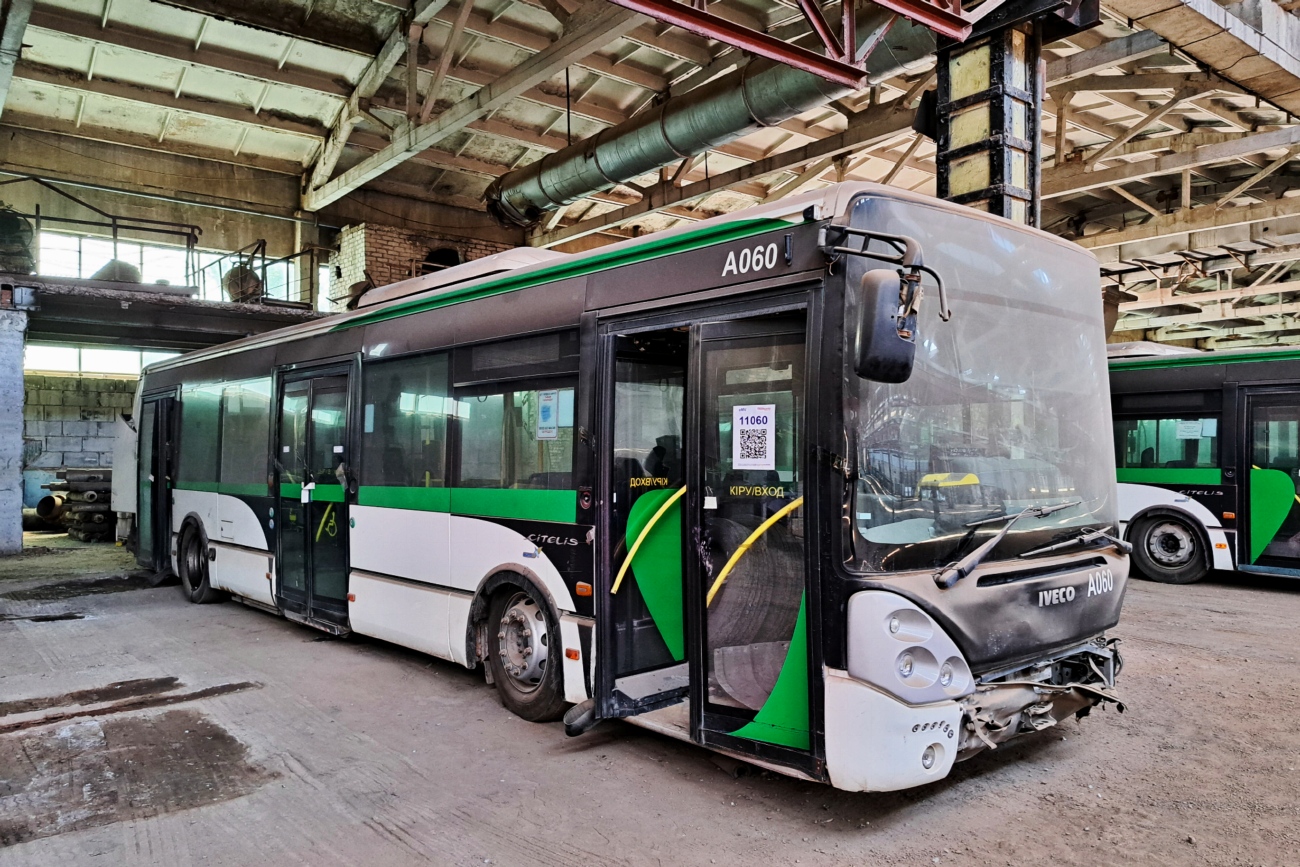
(1207, 448)
(762, 483)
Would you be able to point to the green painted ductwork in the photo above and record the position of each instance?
(760, 94)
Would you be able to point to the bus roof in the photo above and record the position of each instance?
(1203, 359)
(820, 204)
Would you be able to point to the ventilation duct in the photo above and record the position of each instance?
(760, 94)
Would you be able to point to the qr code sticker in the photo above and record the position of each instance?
(753, 444)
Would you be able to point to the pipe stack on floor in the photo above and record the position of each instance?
(82, 502)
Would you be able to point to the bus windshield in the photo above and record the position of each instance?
(1006, 408)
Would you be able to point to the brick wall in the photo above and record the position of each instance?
(68, 422)
(390, 254)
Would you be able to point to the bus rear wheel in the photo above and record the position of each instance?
(522, 639)
(1169, 550)
(193, 563)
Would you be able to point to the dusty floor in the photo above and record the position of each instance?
(136, 728)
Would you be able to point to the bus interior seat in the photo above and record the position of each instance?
(1148, 458)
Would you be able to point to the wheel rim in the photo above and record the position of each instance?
(1171, 544)
(522, 642)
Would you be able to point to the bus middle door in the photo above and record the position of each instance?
(312, 518)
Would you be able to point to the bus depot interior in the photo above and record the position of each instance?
(428, 416)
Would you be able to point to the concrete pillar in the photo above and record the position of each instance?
(13, 329)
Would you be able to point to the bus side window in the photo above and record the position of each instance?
(518, 438)
(405, 406)
(200, 436)
(245, 432)
(1172, 443)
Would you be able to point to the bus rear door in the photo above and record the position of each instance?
(153, 466)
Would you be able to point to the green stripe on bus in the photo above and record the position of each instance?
(531, 505)
(417, 499)
(1169, 476)
(561, 506)
(783, 718)
(290, 492)
(683, 243)
(327, 494)
(1203, 359)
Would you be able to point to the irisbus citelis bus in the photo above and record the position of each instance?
(826, 485)
(1208, 453)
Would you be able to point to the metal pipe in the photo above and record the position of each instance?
(761, 94)
(50, 507)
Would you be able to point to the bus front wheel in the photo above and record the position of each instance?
(524, 655)
(1169, 550)
(193, 557)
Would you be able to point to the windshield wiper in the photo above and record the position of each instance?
(1084, 538)
(954, 572)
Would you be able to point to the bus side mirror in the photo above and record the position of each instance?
(885, 349)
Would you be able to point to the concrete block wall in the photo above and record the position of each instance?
(389, 253)
(13, 327)
(68, 422)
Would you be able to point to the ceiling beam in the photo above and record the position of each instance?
(508, 34)
(16, 14)
(350, 113)
(87, 28)
(1105, 56)
(593, 26)
(1222, 311)
(1166, 298)
(1075, 178)
(320, 30)
(1195, 220)
(38, 75)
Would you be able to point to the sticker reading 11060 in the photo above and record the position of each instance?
(753, 437)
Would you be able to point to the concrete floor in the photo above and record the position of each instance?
(246, 739)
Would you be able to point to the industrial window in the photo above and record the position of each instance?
(245, 432)
(1167, 442)
(514, 438)
(200, 435)
(43, 357)
(405, 407)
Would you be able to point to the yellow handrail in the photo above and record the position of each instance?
(744, 546)
(645, 531)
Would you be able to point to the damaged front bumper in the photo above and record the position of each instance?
(1008, 704)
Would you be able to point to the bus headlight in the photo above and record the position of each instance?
(928, 757)
(898, 648)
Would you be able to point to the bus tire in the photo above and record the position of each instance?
(523, 653)
(1169, 550)
(192, 563)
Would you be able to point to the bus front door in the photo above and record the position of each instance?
(312, 462)
(704, 628)
(1272, 474)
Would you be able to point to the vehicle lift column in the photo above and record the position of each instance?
(989, 99)
(987, 114)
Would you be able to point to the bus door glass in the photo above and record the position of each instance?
(1273, 478)
(648, 477)
(748, 518)
(153, 509)
(313, 465)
